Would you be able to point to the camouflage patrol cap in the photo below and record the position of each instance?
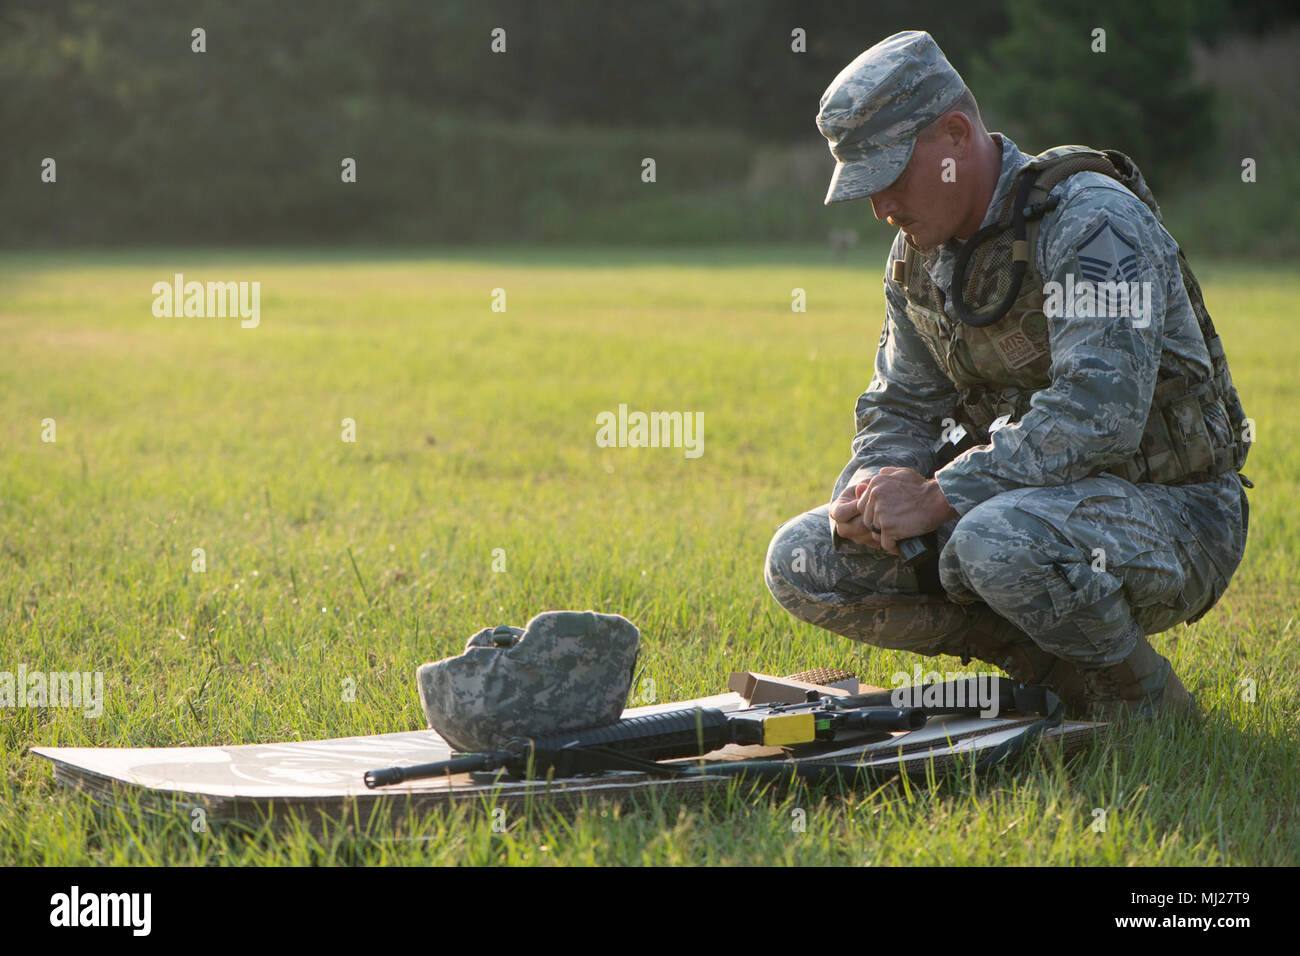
(873, 110)
(566, 670)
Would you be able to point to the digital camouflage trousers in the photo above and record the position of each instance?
(1083, 569)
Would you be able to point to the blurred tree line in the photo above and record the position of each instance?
(244, 142)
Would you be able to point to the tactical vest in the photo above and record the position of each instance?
(1192, 430)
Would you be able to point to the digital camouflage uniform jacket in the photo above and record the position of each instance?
(1103, 370)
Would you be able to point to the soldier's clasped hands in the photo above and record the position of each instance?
(896, 503)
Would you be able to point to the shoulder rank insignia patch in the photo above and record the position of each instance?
(1107, 255)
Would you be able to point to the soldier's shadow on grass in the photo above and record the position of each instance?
(1210, 778)
(1206, 764)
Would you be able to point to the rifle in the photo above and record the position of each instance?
(638, 743)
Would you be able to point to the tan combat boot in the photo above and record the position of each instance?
(995, 640)
(1142, 686)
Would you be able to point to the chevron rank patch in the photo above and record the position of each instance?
(1108, 277)
(1108, 256)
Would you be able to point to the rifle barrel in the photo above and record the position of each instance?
(468, 763)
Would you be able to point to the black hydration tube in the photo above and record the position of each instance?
(1019, 265)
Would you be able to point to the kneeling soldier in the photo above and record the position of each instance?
(1036, 304)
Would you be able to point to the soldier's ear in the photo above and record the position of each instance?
(957, 132)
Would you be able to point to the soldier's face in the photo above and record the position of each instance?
(923, 202)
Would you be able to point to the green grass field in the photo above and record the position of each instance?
(476, 431)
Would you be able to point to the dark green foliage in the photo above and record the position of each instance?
(155, 143)
(1045, 85)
